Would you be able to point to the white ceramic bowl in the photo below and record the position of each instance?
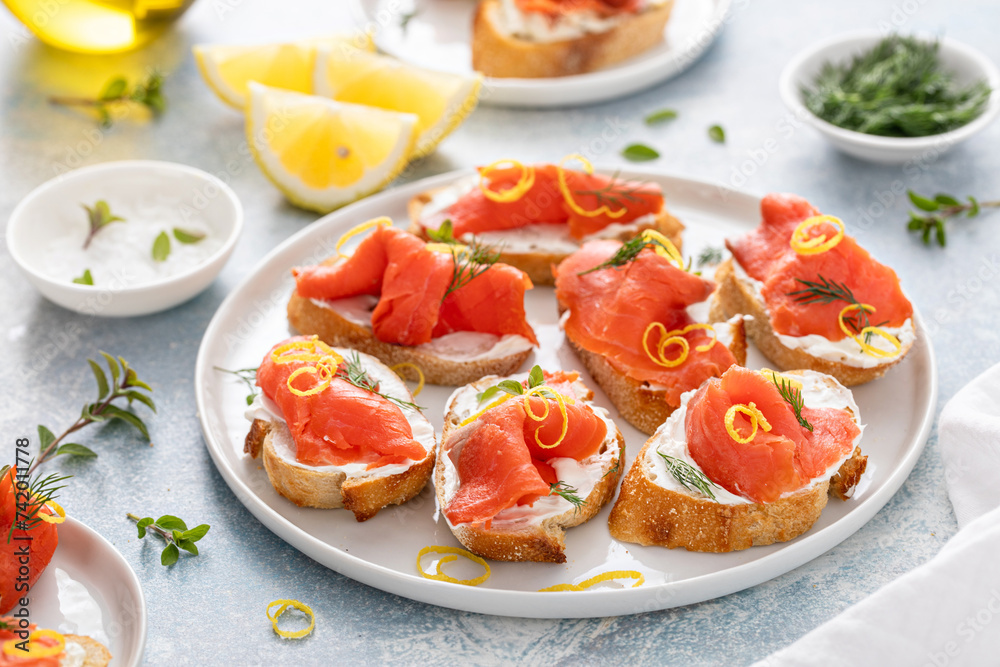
(967, 64)
(54, 209)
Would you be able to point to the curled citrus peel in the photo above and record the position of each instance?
(803, 245)
(859, 337)
(588, 168)
(420, 375)
(324, 360)
(604, 576)
(452, 555)
(777, 378)
(36, 649)
(665, 248)
(58, 514)
(756, 418)
(361, 229)
(503, 399)
(667, 338)
(285, 605)
(560, 400)
(511, 194)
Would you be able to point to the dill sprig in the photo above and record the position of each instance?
(246, 375)
(710, 256)
(823, 291)
(41, 490)
(616, 192)
(688, 476)
(613, 470)
(354, 372)
(470, 262)
(941, 207)
(896, 89)
(568, 493)
(627, 253)
(793, 396)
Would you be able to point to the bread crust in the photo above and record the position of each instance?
(97, 654)
(539, 265)
(734, 298)
(498, 55)
(544, 542)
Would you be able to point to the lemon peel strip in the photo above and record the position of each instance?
(803, 245)
(756, 418)
(59, 515)
(666, 339)
(859, 338)
(454, 553)
(36, 650)
(604, 576)
(561, 400)
(469, 420)
(324, 358)
(588, 168)
(666, 248)
(360, 229)
(420, 375)
(521, 188)
(776, 377)
(285, 605)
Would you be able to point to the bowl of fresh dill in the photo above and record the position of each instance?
(892, 98)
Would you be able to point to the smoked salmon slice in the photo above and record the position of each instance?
(776, 462)
(43, 543)
(611, 309)
(341, 424)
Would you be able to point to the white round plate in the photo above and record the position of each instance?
(84, 557)
(382, 552)
(439, 33)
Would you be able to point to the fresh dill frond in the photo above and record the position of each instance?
(627, 253)
(568, 493)
(470, 262)
(41, 490)
(823, 291)
(793, 396)
(354, 372)
(688, 476)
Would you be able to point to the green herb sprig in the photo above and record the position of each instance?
(616, 193)
(941, 207)
(174, 532)
(823, 291)
(470, 262)
(445, 233)
(710, 256)
(41, 490)
(99, 216)
(247, 376)
(148, 92)
(688, 476)
(793, 396)
(536, 378)
(354, 372)
(567, 493)
(627, 253)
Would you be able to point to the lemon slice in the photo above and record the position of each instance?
(227, 69)
(441, 100)
(322, 153)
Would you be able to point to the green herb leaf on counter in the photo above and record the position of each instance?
(99, 216)
(639, 153)
(148, 93)
(188, 235)
(942, 206)
(161, 247)
(246, 375)
(174, 532)
(85, 279)
(717, 134)
(661, 116)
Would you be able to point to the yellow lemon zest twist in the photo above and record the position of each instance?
(666, 248)
(512, 194)
(604, 576)
(777, 378)
(35, 648)
(560, 400)
(285, 605)
(859, 338)
(361, 229)
(568, 196)
(755, 415)
(666, 339)
(58, 513)
(453, 554)
(420, 375)
(804, 245)
(502, 399)
(324, 358)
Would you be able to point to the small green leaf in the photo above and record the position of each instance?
(161, 247)
(482, 397)
(104, 115)
(85, 279)
(923, 203)
(927, 235)
(660, 116)
(445, 233)
(250, 398)
(114, 89)
(511, 387)
(132, 380)
(536, 377)
(113, 412)
(196, 533)
(45, 437)
(717, 134)
(112, 366)
(73, 449)
(973, 207)
(141, 525)
(102, 379)
(939, 232)
(142, 398)
(188, 545)
(169, 555)
(170, 522)
(639, 153)
(88, 414)
(946, 200)
(916, 222)
(188, 235)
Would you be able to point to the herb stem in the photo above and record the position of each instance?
(153, 528)
(80, 423)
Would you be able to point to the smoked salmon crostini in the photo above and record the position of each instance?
(817, 298)
(30, 646)
(537, 215)
(451, 309)
(337, 428)
(521, 460)
(625, 311)
(24, 543)
(748, 459)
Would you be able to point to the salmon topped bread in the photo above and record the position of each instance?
(337, 428)
(521, 460)
(29, 646)
(550, 38)
(537, 215)
(453, 310)
(748, 459)
(40, 540)
(625, 313)
(818, 299)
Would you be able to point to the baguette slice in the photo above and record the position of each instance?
(538, 264)
(651, 515)
(498, 54)
(736, 297)
(518, 540)
(96, 653)
(362, 492)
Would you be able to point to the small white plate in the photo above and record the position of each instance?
(439, 33)
(382, 552)
(968, 65)
(86, 558)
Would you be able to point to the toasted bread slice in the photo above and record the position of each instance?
(519, 540)
(736, 297)
(499, 54)
(538, 263)
(97, 654)
(363, 492)
(648, 513)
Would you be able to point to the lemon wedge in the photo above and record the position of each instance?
(228, 68)
(440, 100)
(322, 153)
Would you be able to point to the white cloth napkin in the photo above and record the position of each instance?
(947, 611)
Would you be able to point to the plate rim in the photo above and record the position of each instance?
(505, 602)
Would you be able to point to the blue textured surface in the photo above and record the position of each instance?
(209, 609)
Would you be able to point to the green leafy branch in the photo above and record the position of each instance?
(124, 384)
(148, 92)
(99, 216)
(174, 532)
(941, 207)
